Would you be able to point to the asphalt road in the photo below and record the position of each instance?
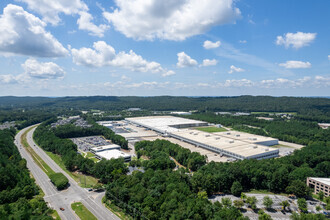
(64, 198)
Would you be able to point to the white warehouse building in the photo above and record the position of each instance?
(238, 145)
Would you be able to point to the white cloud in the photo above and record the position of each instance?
(235, 69)
(328, 57)
(171, 19)
(23, 33)
(8, 79)
(50, 10)
(105, 55)
(293, 64)
(296, 40)
(242, 41)
(85, 23)
(185, 61)
(168, 73)
(48, 70)
(208, 62)
(237, 83)
(211, 45)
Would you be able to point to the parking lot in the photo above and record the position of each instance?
(276, 211)
(85, 143)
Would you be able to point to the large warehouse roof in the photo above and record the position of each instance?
(166, 123)
(225, 144)
(231, 143)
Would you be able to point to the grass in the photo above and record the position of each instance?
(89, 154)
(82, 211)
(255, 191)
(211, 129)
(79, 178)
(280, 146)
(44, 166)
(54, 215)
(116, 210)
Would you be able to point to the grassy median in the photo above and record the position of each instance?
(44, 166)
(82, 211)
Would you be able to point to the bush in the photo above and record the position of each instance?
(59, 180)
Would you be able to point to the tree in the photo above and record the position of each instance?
(302, 204)
(243, 196)
(226, 202)
(238, 203)
(321, 195)
(236, 189)
(285, 204)
(263, 215)
(252, 201)
(318, 208)
(268, 202)
(299, 188)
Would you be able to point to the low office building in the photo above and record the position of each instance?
(105, 148)
(112, 154)
(319, 184)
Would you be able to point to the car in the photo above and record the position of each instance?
(62, 209)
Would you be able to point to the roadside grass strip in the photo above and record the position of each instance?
(44, 166)
(82, 211)
(115, 209)
(84, 181)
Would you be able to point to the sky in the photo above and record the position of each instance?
(164, 47)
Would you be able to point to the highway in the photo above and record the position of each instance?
(64, 198)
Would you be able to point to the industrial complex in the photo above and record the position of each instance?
(232, 144)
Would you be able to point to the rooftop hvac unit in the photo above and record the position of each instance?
(217, 138)
(266, 149)
(207, 135)
(228, 133)
(231, 141)
(237, 135)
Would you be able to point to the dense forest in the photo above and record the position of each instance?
(160, 151)
(17, 189)
(316, 108)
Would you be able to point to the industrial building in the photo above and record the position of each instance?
(112, 154)
(319, 184)
(108, 152)
(165, 124)
(233, 144)
(105, 148)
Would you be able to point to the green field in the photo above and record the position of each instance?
(82, 211)
(79, 178)
(116, 210)
(211, 129)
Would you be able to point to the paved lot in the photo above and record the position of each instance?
(276, 213)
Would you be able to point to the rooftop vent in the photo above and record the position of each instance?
(255, 146)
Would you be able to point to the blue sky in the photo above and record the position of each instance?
(172, 47)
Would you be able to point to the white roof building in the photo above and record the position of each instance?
(113, 154)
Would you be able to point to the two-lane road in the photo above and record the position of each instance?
(63, 198)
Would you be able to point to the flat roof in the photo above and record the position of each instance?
(322, 180)
(112, 154)
(246, 137)
(225, 142)
(106, 147)
(163, 123)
